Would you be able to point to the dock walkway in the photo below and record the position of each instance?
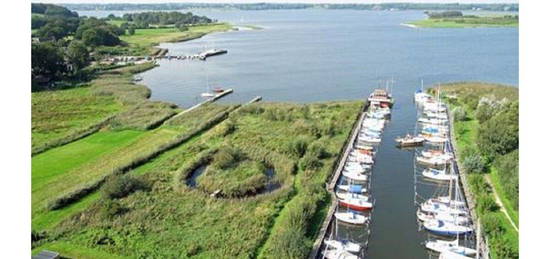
(348, 147)
(209, 100)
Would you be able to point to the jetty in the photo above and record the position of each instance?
(209, 100)
(331, 186)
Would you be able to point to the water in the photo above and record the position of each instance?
(192, 180)
(320, 55)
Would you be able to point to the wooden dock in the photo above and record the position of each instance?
(209, 100)
(347, 148)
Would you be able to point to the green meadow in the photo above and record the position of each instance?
(172, 219)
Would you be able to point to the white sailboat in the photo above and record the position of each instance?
(442, 246)
(343, 245)
(338, 253)
(446, 216)
(351, 217)
(439, 175)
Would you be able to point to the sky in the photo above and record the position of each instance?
(276, 1)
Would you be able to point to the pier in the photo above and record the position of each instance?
(209, 100)
(336, 174)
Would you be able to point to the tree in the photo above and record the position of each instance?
(499, 135)
(181, 27)
(131, 30)
(77, 55)
(47, 61)
(459, 114)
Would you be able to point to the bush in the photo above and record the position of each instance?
(491, 225)
(298, 146)
(473, 163)
(112, 208)
(500, 134)
(508, 173)
(121, 186)
(486, 203)
(478, 184)
(310, 162)
(317, 149)
(459, 114)
(503, 248)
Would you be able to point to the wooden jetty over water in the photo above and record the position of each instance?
(209, 100)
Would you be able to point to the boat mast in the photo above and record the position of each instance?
(478, 239)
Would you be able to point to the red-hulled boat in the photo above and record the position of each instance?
(356, 202)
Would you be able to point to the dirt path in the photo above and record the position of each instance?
(499, 202)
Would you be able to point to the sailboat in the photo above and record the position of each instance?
(442, 246)
(420, 96)
(447, 224)
(208, 93)
(351, 217)
(439, 175)
(338, 253)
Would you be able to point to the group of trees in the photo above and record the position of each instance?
(445, 14)
(276, 6)
(55, 55)
(498, 140)
(143, 20)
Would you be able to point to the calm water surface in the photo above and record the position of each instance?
(320, 55)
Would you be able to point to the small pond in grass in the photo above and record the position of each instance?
(192, 180)
(272, 183)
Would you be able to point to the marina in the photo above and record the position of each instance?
(353, 198)
(444, 216)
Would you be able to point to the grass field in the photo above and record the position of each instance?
(69, 168)
(465, 95)
(173, 220)
(467, 22)
(56, 114)
(144, 39)
(62, 116)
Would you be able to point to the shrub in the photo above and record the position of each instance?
(503, 248)
(112, 208)
(478, 184)
(491, 225)
(310, 162)
(459, 114)
(317, 149)
(121, 186)
(298, 146)
(500, 134)
(508, 173)
(486, 203)
(473, 163)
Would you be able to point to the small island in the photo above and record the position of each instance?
(455, 19)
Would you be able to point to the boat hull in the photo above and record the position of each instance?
(355, 206)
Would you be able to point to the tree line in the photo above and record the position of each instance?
(277, 6)
(145, 19)
(63, 42)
